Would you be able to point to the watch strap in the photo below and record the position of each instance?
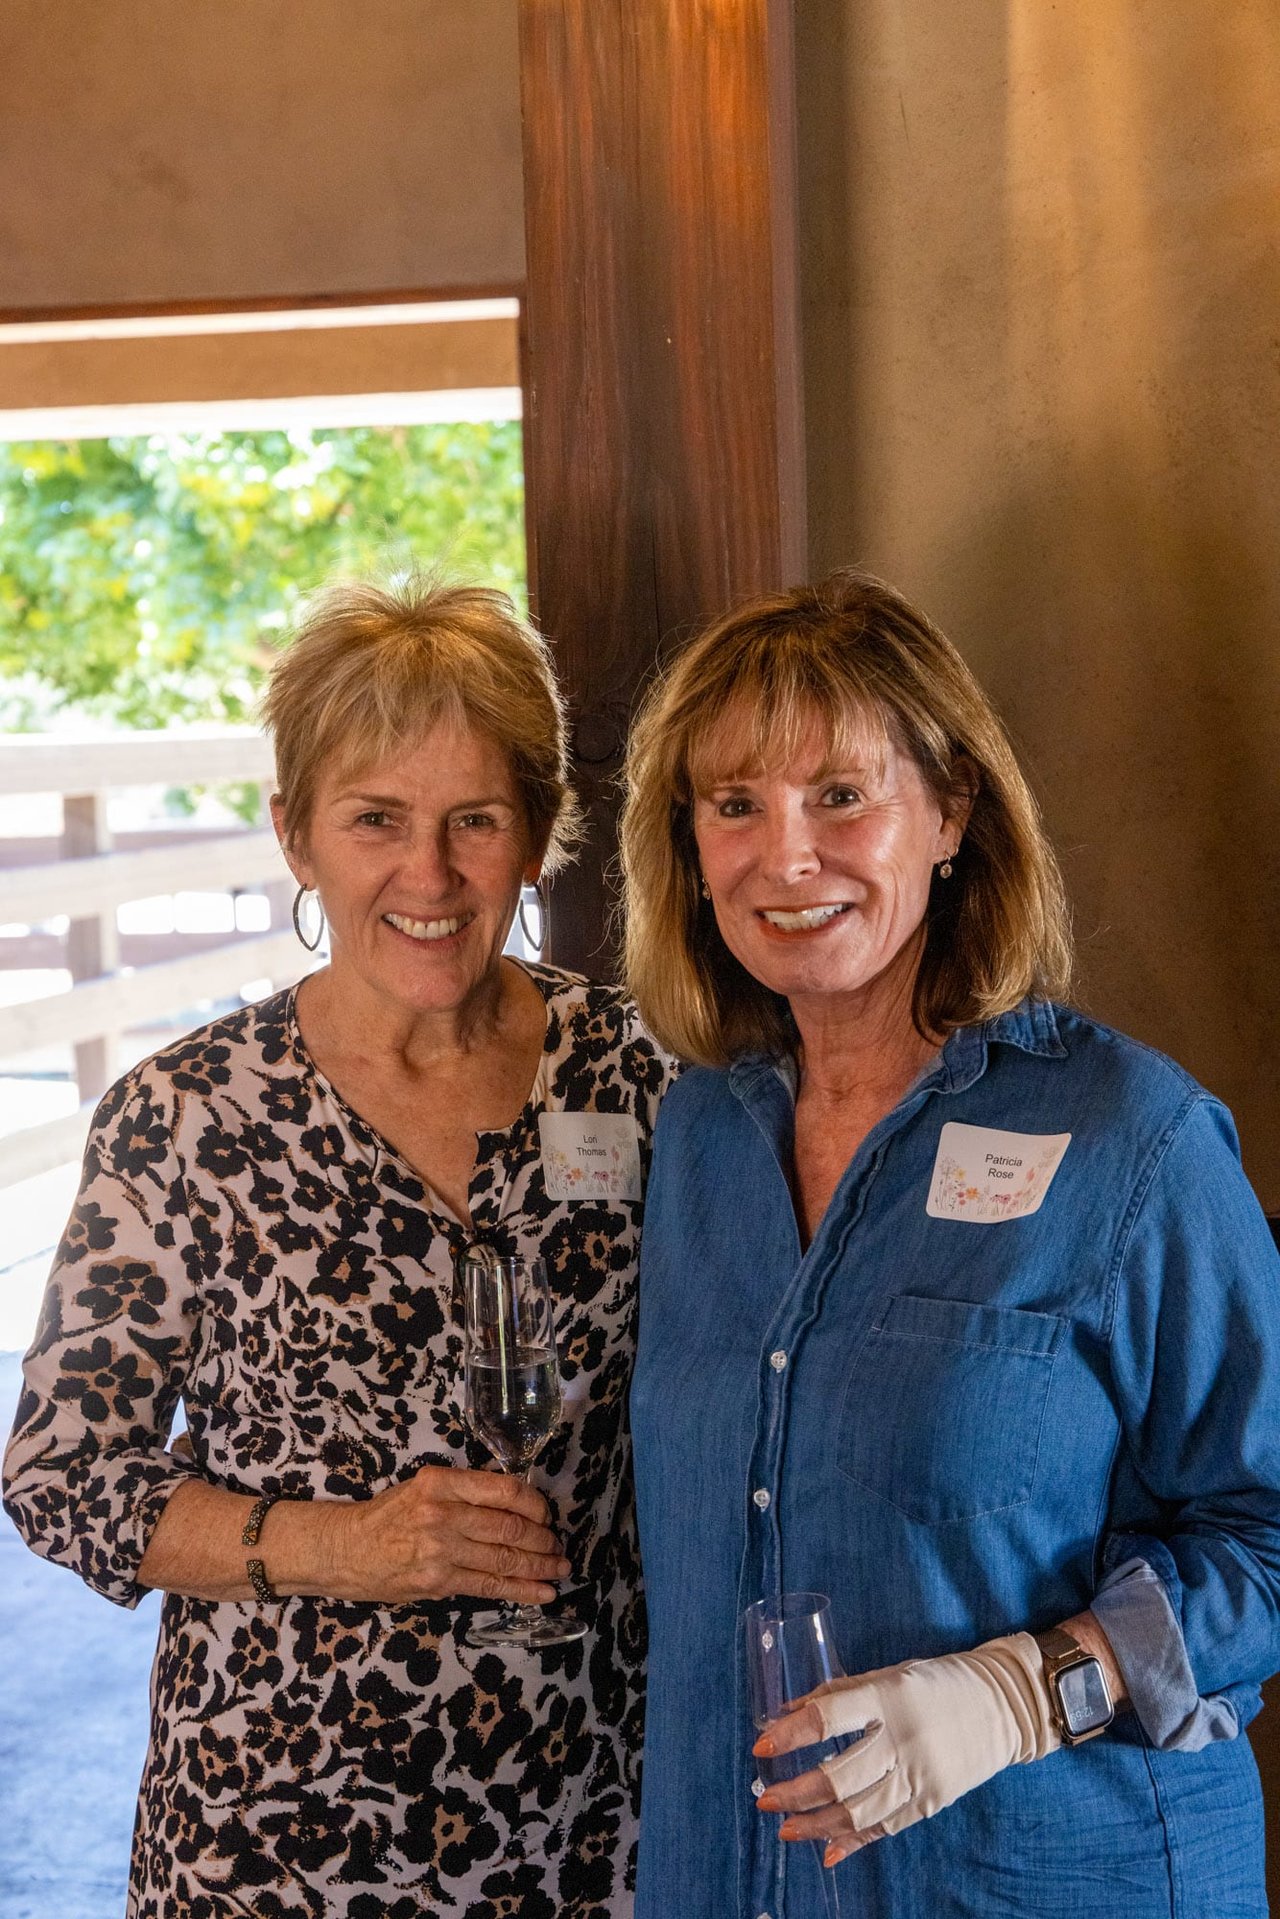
(1057, 1647)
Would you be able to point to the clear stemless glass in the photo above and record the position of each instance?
(512, 1399)
(790, 1650)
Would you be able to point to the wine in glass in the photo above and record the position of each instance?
(790, 1651)
(513, 1402)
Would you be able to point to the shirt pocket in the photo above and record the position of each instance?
(945, 1404)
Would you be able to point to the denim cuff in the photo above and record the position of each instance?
(1133, 1608)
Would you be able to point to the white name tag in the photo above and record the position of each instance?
(983, 1175)
(590, 1155)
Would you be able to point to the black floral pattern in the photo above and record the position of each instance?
(242, 1240)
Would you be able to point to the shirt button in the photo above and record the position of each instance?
(778, 1360)
(757, 1787)
(760, 1497)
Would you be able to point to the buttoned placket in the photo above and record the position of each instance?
(768, 1098)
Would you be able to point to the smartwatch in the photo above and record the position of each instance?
(1079, 1697)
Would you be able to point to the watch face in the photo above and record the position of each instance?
(1082, 1691)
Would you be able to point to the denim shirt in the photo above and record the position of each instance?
(957, 1427)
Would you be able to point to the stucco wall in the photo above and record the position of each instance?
(236, 149)
(1041, 257)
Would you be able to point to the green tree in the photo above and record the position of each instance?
(150, 581)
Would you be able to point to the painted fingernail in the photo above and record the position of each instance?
(788, 1830)
(833, 1854)
(768, 1803)
(764, 1747)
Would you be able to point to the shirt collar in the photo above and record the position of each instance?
(1032, 1027)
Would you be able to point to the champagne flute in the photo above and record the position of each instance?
(790, 1651)
(512, 1399)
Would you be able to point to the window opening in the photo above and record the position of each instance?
(152, 549)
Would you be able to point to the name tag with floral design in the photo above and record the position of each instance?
(984, 1175)
(590, 1155)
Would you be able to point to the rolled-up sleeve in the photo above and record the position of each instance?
(86, 1471)
(1190, 1597)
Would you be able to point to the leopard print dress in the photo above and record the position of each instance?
(245, 1242)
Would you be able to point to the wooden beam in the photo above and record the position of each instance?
(97, 884)
(284, 303)
(433, 356)
(61, 763)
(124, 1000)
(664, 443)
(38, 1149)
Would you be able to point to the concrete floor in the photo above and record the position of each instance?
(74, 1673)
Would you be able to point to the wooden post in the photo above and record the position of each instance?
(664, 444)
(93, 944)
(279, 891)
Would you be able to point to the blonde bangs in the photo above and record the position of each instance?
(764, 707)
(371, 672)
(381, 701)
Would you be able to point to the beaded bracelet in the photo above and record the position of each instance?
(249, 1537)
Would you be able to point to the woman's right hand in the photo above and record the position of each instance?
(447, 1533)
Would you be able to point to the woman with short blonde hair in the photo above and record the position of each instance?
(268, 1228)
(956, 1309)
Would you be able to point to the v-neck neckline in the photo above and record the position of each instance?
(385, 1151)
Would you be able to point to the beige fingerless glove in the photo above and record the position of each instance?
(935, 1728)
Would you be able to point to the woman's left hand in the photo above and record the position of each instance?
(931, 1729)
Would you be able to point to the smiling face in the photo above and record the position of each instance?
(418, 862)
(819, 870)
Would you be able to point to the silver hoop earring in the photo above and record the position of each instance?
(298, 898)
(540, 896)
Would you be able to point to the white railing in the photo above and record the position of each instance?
(89, 881)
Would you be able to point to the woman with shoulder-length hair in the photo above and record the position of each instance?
(956, 1307)
(268, 1227)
